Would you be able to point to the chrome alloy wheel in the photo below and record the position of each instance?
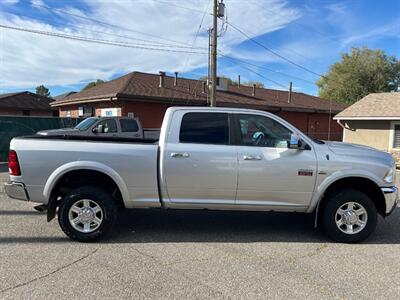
(85, 215)
(351, 217)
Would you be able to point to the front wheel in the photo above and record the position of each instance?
(349, 216)
(87, 214)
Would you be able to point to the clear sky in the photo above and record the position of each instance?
(310, 33)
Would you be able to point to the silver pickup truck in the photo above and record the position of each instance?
(206, 158)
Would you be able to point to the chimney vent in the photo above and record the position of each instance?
(254, 90)
(162, 75)
(289, 100)
(204, 87)
(238, 81)
(176, 79)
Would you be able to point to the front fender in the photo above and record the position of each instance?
(335, 176)
(85, 165)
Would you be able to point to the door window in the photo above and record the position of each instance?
(205, 128)
(109, 126)
(261, 131)
(129, 125)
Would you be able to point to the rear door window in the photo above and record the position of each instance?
(205, 128)
(129, 125)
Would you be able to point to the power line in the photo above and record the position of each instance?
(179, 6)
(102, 22)
(97, 41)
(265, 68)
(147, 42)
(195, 39)
(193, 43)
(262, 76)
(274, 52)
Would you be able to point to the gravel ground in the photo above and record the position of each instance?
(189, 254)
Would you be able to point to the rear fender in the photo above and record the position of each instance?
(80, 165)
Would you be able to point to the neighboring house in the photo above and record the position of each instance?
(26, 104)
(373, 121)
(62, 96)
(147, 96)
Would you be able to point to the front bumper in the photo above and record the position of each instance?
(16, 190)
(391, 198)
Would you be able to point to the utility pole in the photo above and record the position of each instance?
(213, 61)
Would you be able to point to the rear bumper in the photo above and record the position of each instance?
(391, 198)
(16, 190)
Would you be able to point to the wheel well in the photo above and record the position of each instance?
(79, 178)
(364, 185)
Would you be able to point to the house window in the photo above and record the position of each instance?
(396, 136)
(26, 112)
(88, 111)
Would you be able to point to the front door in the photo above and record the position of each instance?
(270, 174)
(106, 128)
(201, 165)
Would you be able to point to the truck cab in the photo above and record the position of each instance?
(124, 127)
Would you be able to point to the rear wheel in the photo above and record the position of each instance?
(349, 216)
(87, 214)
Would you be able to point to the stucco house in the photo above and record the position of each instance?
(373, 121)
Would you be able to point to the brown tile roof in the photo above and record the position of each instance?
(376, 105)
(64, 95)
(137, 85)
(25, 100)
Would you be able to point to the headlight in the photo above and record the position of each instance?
(389, 176)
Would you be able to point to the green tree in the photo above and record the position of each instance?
(41, 90)
(359, 73)
(93, 84)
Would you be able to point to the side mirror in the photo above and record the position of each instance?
(294, 142)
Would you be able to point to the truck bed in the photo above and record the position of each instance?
(132, 163)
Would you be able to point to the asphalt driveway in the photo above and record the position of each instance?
(194, 254)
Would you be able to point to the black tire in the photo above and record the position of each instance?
(337, 200)
(97, 196)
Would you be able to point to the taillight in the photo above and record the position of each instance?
(13, 165)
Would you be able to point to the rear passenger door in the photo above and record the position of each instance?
(129, 128)
(200, 163)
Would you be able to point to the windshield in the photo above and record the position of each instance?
(85, 124)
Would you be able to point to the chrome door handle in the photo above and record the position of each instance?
(250, 157)
(180, 155)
